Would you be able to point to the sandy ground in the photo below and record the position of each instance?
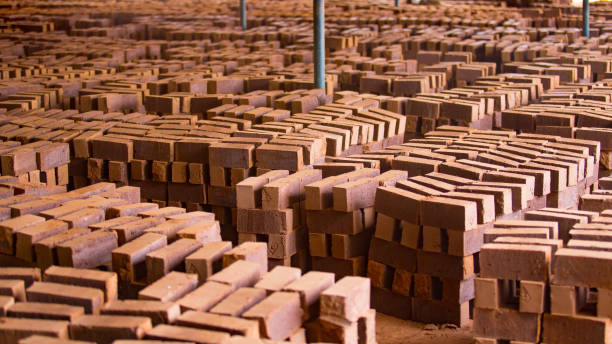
(390, 330)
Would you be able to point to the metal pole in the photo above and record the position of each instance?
(243, 18)
(585, 18)
(319, 42)
(397, 3)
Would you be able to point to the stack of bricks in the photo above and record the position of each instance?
(271, 209)
(33, 161)
(340, 217)
(241, 302)
(451, 173)
(552, 293)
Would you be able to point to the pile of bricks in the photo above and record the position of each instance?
(239, 303)
(553, 292)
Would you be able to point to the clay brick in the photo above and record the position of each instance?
(236, 303)
(83, 218)
(171, 287)
(14, 329)
(575, 329)
(398, 204)
(129, 209)
(159, 312)
(348, 299)
(240, 274)
(279, 315)
(107, 328)
(532, 262)
(205, 297)
(89, 298)
(215, 322)
(46, 249)
(130, 231)
(310, 286)
(508, 324)
(462, 214)
(50, 311)
(278, 278)
(249, 190)
(207, 260)
(162, 261)
(187, 334)
(87, 251)
(569, 268)
(204, 232)
(26, 238)
(282, 193)
(105, 281)
(13, 288)
(9, 228)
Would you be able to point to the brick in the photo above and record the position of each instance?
(159, 312)
(265, 221)
(128, 260)
(249, 251)
(348, 299)
(169, 288)
(461, 214)
(204, 232)
(309, 287)
(9, 228)
(132, 230)
(207, 260)
(569, 268)
(46, 249)
(130, 209)
(205, 297)
(278, 278)
(249, 190)
(232, 325)
(13, 288)
(508, 324)
(89, 298)
(282, 193)
(240, 274)
(232, 155)
(107, 328)
(43, 310)
(338, 330)
(575, 329)
(87, 251)
(532, 262)
(105, 281)
(187, 334)
(399, 204)
(279, 315)
(162, 261)
(236, 303)
(83, 218)
(26, 238)
(38, 339)
(14, 329)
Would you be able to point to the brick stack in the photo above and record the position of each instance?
(340, 218)
(271, 209)
(35, 161)
(238, 303)
(551, 295)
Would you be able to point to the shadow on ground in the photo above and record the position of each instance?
(390, 330)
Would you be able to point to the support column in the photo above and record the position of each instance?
(319, 42)
(397, 3)
(585, 18)
(243, 18)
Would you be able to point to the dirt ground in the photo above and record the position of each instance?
(390, 330)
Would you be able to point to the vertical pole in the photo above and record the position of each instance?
(397, 3)
(243, 18)
(319, 42)
(585, 18)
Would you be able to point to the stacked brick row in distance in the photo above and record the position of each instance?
(166, 175)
